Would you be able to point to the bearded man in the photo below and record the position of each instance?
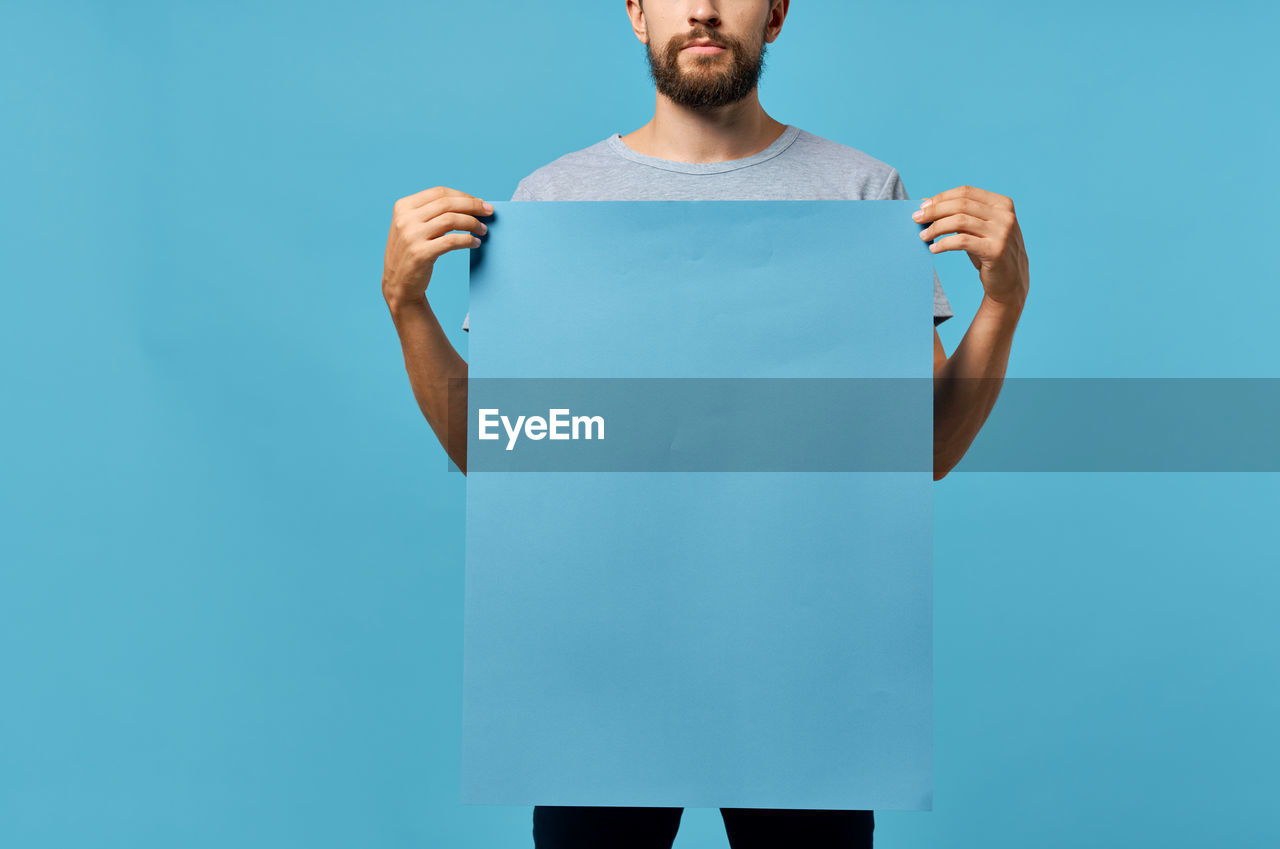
(710, 139)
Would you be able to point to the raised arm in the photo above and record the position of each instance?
(966, 384)
(422, 228)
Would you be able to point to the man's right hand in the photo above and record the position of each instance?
(422, 228)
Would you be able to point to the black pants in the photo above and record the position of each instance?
(561, 827)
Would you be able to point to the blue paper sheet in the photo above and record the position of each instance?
(707, 639)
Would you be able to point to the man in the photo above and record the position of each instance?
(710, 139)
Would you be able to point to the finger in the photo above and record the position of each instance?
(426, 196)
(974, 193)
(453, 203)
(441, 224)
(960, 242)
(433, 249)
(959, 223)
(950, 206)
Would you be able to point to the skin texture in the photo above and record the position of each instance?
(707, 109)
(422, 230)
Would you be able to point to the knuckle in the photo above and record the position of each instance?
(434, 209)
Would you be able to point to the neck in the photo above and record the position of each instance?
(682, 134)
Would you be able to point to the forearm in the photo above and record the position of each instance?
(966, 386)
(437, 375)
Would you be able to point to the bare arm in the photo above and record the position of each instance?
(966, 384)
(421, 228)
(437, 375)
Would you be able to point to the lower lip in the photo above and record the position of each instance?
(705, 48)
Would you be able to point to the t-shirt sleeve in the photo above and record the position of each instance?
(522, 192)
(895, 190)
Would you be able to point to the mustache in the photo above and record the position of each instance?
(677, 43)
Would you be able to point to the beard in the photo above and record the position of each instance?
(712, 80)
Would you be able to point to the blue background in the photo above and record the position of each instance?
(231, 559)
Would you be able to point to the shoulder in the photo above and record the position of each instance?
(541, 182)
(872, 177)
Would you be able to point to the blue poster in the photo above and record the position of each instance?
(692, 577)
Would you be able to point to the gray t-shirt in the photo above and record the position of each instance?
(797, 166)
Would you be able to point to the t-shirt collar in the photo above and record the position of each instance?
(781, 143)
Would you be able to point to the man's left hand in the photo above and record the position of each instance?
(985, 228)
